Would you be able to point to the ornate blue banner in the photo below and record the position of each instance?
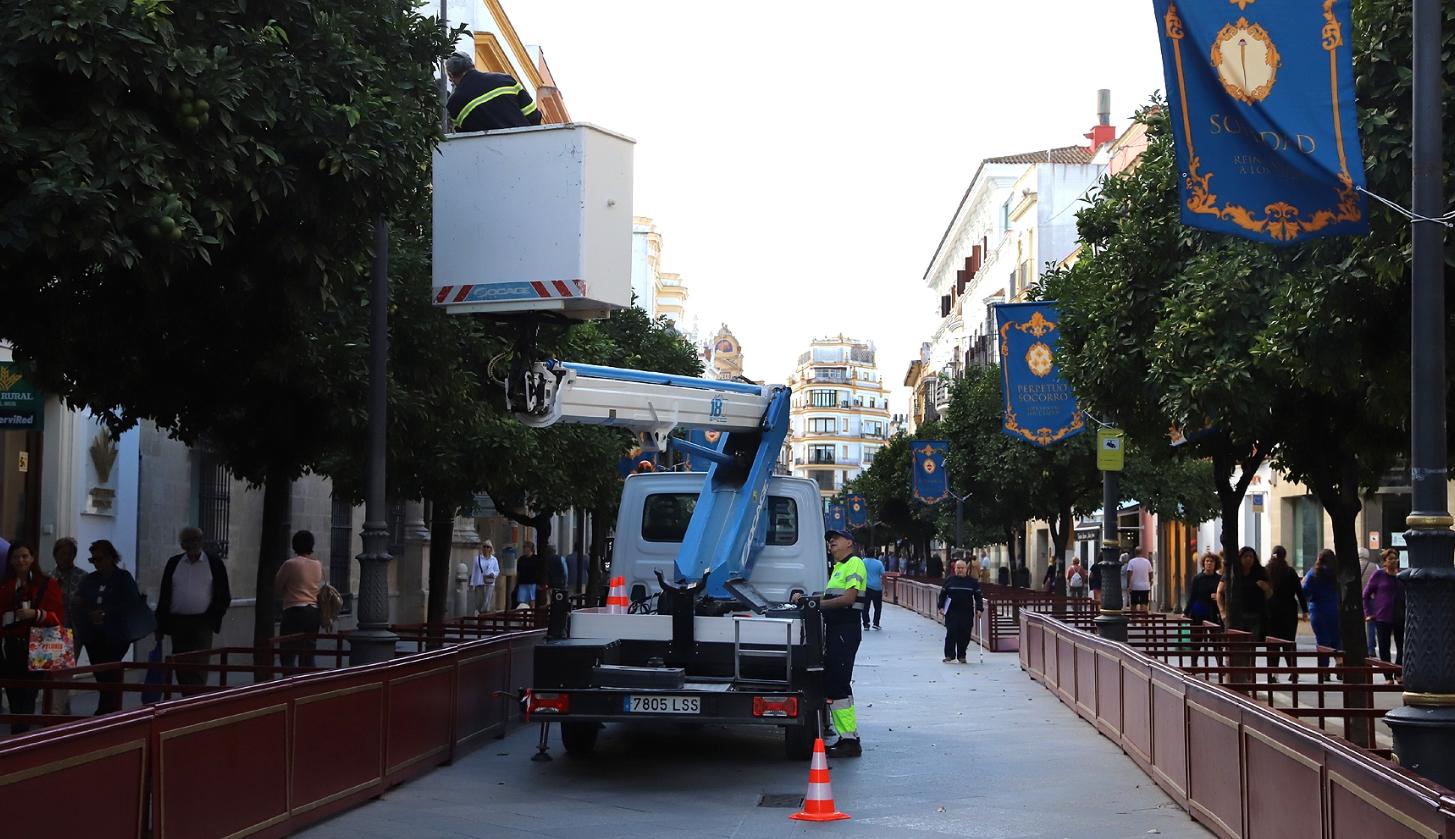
(1039, 407)
(1261, 94)
(858, 511)
(834, 518)
(927, 479)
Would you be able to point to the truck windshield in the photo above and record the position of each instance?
(665, 516)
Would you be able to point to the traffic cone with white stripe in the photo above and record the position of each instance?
(818, 804)
(616, 602)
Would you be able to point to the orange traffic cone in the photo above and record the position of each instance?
(616, 602)
(818, 804)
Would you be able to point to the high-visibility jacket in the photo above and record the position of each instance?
(848, 575)
(486, 101)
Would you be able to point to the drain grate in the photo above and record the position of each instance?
(781, 799)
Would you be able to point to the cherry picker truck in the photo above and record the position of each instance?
(534, 225)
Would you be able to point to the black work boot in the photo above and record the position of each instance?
(845, 747)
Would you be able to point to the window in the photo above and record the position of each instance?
(214, 503)
(824, 478)
(821, 454)
(665, 517)
(823, 398)
(822, 425)
(782, 521)
(666, 514)
(869, 452)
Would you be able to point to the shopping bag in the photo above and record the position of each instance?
(156, 677)
(139, 620)
(52, 648)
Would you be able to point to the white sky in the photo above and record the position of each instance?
(801, 158)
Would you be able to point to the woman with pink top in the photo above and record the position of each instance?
(298, 583)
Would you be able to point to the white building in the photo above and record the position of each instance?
(840, 412)
(656, 292)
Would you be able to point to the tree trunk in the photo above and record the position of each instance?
(1342, 504)
(272, 550)
(1061, 529)
(441, 540)
(1230, 500)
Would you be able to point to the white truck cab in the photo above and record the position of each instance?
(786, 554)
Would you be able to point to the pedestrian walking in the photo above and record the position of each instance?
(1321, 593)
(1202, 604)
(509, 574)
(936, 567)
(484, 571)
(1093, 581)
(69, 576)
(194, 598)
(527, 574)
(108, 596)
(28, 599)
(1286, 604)
(1367, 566)
(553, 573)
(960, 600)
(874, 590)
(1249, 575)
(1139, 577)
(842, 633)
(1384, 606)
(298, 582)
(1076, 579)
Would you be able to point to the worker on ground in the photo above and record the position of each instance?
(960, 600)
(842, 605)
(486, 101)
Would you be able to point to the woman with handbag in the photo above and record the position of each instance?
(108, 599)
(28, 599)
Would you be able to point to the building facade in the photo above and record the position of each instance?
(658, 293)
(840, 412)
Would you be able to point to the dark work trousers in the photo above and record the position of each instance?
(873, 599)
(1286, 627)
(841, 644)
(189, 633)
(15, 665)
(299, 620)
(1251, 623)
(1384, 631)
(958, 623)
(107, 652)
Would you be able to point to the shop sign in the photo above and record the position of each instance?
(22, 406)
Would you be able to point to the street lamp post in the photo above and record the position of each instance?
(1424, 728)
(1111, 624)
(373, 641)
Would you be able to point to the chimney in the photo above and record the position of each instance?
(1103, 132)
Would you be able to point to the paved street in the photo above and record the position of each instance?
(976, 750)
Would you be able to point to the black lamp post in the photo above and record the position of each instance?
(1424, 729)
(1111, 624)
(373, 641)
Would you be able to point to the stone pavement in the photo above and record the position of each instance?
(974, 750)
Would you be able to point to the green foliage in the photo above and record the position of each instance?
(187, 187)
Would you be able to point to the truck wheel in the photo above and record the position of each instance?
(579, 738)
(798, 742)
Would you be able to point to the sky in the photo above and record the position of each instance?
(801, 159)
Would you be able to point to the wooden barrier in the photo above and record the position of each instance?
(1239, 767)
(269, 758)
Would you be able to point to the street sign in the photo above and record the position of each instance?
(1110, 456)
(1257, 502)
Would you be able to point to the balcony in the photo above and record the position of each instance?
(818, 460)
(815, 377)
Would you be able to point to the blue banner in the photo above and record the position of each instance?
(858, 511)
(928, 480)
(1261, 95)
(1039, 407)
(833, 519)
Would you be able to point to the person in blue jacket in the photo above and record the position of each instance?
(1322, 589)
(874, 593)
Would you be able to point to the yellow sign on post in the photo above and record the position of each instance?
(1109, 454)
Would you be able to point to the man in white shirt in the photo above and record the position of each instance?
(194, 597)
(483, 575)
(1139, 582)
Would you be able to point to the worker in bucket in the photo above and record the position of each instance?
(486, 101)
(842, 604)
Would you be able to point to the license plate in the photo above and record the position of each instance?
(663, 705)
